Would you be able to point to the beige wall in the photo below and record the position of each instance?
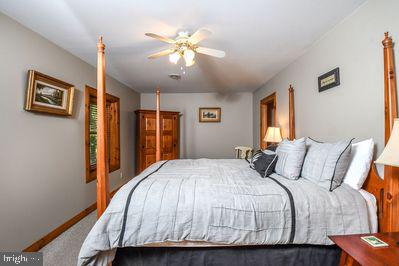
(355, 108)
(210, 140)
(42, 166)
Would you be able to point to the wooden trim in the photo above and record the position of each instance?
(291, 123)
(158, 127)
(93, 93)
(39, 244)
(87, 135)
(102, 154)
(114, 104)
(272, 98)
(154, 111)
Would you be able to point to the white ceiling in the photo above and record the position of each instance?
(260, 37)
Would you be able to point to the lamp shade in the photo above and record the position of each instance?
(273, 134)
(390, 154)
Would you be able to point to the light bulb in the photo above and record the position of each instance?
(190, 63)
(174, 58)
(189, 57)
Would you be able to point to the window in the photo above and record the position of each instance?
(91, 133)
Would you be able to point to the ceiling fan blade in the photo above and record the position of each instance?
(161, 38)
(211, 52)
(162, 53)
(199, 35)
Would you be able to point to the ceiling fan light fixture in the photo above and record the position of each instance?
(185, 45)
(174, 58)
(189, 56)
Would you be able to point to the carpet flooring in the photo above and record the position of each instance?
(64, 250)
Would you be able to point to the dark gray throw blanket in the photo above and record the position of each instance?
(221, 201)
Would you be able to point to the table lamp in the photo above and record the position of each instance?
(390, 154)
(273, 135)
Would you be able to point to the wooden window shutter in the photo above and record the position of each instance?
(113, 131)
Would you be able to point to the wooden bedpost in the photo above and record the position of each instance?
(291, 113)
(386, 191)
(102, 155)
(391, 111)
(391, 174)
(158, 128)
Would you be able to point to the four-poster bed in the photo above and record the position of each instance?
(102, 154)
(385, 191)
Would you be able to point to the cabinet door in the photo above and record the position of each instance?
(147, 140)
(167, 143)
(176, 136)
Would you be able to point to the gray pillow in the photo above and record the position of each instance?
(326, 163)
(290, 156)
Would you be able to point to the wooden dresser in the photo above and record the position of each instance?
(145, 137)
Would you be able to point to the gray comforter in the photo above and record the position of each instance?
(221, 201)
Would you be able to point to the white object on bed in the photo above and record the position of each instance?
(359, 167)
(371, 209)
(290, 156)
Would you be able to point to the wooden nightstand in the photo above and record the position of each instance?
(355, 251)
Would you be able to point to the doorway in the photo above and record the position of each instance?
(267, 117)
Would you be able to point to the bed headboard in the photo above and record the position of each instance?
(386, 190)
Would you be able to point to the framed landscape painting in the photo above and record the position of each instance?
(210, 114)
(49, 95)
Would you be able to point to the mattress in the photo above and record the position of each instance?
(221, 202)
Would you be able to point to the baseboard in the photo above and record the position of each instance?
(65, 226)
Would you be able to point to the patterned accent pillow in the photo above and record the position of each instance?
(290, 158)
(264, 162)
(255, 157)
(326, 163)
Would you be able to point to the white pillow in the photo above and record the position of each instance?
(290, 155)
(359, 167)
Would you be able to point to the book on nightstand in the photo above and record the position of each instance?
(374, 241)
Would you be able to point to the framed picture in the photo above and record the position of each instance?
(210, 114)
(49, 95)
(329, 80)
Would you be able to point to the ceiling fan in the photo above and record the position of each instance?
(185, 46)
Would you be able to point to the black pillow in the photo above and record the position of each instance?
(272, 147)
(255, 156)
(264, 163)
(259, 152)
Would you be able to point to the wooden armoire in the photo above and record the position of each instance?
(145, 137)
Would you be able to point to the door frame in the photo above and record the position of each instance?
(263, 117)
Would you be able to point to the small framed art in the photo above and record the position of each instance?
(329, 80)
(49, 95)
(210, 114)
